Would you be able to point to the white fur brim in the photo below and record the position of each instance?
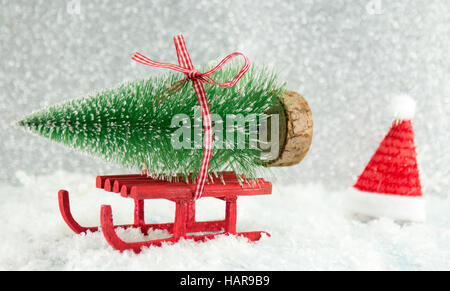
(397, 207)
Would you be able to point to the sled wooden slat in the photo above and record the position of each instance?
(117, 184)
(185, 191)
(126, 179)
(110, 182)
(100, 180)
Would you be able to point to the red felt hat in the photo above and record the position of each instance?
(390, 185)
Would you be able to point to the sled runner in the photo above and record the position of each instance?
(140, 187)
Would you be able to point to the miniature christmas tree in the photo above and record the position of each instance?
(135, 125)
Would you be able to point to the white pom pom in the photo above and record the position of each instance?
(403, 107)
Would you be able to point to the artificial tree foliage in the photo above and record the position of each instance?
(132, 125)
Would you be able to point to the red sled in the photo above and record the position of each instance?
(140, 187)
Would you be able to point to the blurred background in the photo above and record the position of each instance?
(348, 58)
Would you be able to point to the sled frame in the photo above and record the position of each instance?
(139, 188)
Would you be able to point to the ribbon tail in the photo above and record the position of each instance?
(185, 61)
(208, 137)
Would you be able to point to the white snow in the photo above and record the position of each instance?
(309, 232)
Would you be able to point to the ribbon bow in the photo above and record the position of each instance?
(198, 79)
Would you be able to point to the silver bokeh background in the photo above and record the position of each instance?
(346, 57)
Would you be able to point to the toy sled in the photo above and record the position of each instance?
(140, 187)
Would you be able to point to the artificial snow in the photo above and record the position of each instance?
(310, 231)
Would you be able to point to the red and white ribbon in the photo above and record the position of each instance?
(198, 79)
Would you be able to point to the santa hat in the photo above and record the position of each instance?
(389, 185)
